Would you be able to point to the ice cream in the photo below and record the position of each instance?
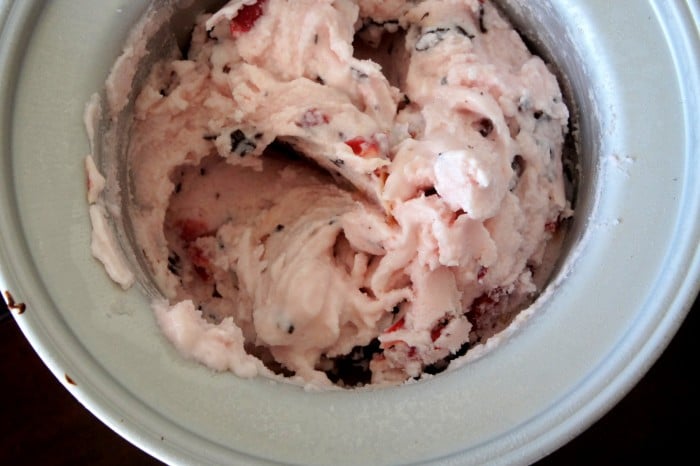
(345, 192)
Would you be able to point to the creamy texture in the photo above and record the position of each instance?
(346, 192)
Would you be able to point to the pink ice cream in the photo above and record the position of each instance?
(346, 192)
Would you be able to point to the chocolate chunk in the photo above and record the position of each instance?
(430, 39)
(518, 165)
(462, 31)
(441, 365)
(173, 259)
(240, 144)
(352, 369)
(482, 26)
(405, 102)
(483, 126)
(358, 74)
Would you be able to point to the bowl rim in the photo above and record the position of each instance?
(575, 412)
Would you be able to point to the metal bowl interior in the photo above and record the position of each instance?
(631, 271)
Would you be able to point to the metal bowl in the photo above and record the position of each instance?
(631, 270)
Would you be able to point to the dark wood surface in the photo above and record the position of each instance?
(41, 423)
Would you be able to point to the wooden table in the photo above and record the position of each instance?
(41, 423)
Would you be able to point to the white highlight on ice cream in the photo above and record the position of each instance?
(474, 182)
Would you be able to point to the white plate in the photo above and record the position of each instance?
(635, 272)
